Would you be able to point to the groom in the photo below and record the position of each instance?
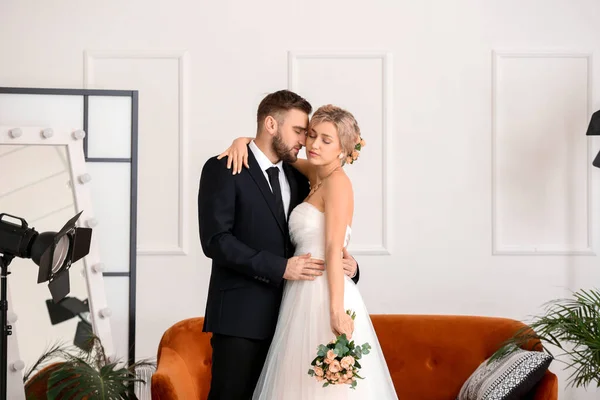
(243, 229)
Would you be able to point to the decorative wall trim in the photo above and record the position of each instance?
(182, 57)
(503, 249)
(387, 110)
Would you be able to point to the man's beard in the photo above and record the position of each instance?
(284, 153)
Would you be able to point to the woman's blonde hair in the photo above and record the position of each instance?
(346, 126)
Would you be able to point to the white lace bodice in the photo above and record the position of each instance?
(307, 230)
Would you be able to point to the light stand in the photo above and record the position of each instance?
(53, 252)
(5, 329)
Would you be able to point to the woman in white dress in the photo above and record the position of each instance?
(314, 312)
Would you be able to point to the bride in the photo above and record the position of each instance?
(314, 312)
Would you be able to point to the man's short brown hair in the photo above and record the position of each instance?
(277, 103)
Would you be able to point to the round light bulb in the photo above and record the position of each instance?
(47, 133)
(15, 133)
(17, 365)
(79, 134)
(11, 317)
(98, 267)
(85, 178)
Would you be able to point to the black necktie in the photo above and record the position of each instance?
(273, 173)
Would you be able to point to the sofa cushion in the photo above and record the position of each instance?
(510, 377)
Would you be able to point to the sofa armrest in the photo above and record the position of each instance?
(547, 388)
(172, 379)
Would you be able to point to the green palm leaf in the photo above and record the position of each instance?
(87, 375)
(571, 325)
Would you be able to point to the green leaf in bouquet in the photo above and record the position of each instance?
(353, 386)
(322, 352)
(326, 384)
(311, 372)
(366, 348)
(357, 364)
(342, 339)
(358, 353)
(340, 347)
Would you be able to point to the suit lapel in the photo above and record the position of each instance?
(259, 178)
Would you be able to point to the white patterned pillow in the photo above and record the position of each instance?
(507, 378)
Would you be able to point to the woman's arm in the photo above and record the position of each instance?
(339, 205)
(237, 154)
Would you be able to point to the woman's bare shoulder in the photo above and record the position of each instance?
(338, 183)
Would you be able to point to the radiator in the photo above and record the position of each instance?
(142, 389)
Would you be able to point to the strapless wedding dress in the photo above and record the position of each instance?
(304, 324)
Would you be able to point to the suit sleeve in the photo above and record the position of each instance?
(216, 216)
(357, 276)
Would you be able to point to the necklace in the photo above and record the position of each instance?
(318, 184)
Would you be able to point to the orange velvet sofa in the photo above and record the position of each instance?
(429, 356)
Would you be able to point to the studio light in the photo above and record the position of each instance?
(71, 307)
(53, 252)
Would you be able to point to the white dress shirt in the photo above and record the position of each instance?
(265, 164)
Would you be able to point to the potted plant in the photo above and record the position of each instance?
(64, 372)
(571, 325)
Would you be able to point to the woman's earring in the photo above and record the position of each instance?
(341, 156)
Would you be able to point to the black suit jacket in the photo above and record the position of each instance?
(249, 245)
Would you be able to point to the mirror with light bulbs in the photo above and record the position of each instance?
(63, 152)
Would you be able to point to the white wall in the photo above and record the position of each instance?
(490, 209)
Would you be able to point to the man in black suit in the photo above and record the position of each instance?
(243, 229)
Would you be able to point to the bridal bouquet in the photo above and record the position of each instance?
(337, 363)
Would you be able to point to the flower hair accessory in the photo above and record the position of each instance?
(356, 152)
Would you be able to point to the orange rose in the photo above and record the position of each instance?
(349, 160)
(327, 361)
(347, 362)
(335, 366)
(319, 379)
(354, 155)
(318, 371)
(331, 355)
(362, 143)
